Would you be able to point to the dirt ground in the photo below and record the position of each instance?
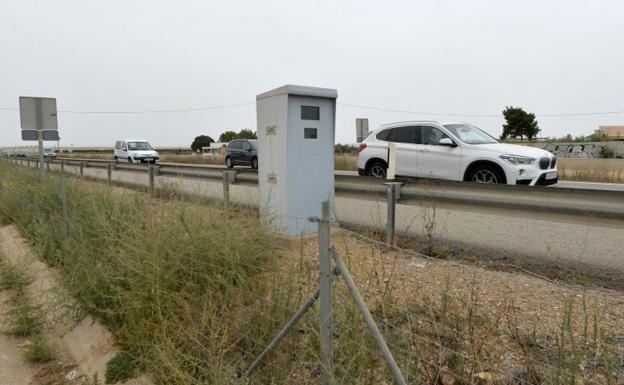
(83, 345)
(533, 302)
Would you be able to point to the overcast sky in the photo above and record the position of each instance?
(451, 57)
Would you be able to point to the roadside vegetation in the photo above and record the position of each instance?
(23, 319)
(592, 170)
(195, 292)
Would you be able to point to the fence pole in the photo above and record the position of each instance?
(395, 371)
(282, 333)
(226, 188)
(82, 168)
(48, 165)
(325, 296)
(109, 169)
(64, 200)
(150, 170)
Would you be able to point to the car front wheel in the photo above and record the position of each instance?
(377, 170)
(486, 175)
(229, 163)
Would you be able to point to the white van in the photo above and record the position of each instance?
(135, 151)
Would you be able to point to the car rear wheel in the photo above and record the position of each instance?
(254, 163)
(229, 163)
(486, 174)
(129, 160)
(377, 169)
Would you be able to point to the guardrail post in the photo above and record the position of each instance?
(393, 191)
(226, 188)
(325, 296)
(150, 171)
(82, 163)
(109, 170)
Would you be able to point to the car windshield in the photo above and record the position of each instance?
(48, 150)
(470, 134)
(139, 146)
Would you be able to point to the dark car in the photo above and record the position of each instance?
(242, 152)
(19, 154)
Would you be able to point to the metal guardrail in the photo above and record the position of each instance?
(576, 202)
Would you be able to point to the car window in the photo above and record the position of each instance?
(383, 135)
(123, 146)
(470, 134)
(139, 146)
(246, 146)
(405, 134)
(235, 145)
(431, 135)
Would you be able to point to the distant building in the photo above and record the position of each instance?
(611, 132)
(216, 148)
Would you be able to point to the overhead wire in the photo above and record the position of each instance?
(360, 106)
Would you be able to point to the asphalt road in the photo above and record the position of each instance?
(590, 240)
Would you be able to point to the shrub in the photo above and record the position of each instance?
(607, 153)
(39, 350)
(121, 367)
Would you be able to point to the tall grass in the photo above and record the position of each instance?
(193, 293)
(592, 170)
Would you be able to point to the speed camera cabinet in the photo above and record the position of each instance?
(296, 129)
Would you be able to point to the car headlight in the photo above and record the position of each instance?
(517, 159)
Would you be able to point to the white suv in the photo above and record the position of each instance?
(135, 151)
(454, 151)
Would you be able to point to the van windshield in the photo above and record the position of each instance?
(139, 146)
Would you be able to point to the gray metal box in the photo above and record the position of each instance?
(296, 130)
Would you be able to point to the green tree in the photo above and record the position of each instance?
(201, 141)
(519, 123)
(227, 136)
(246, 134)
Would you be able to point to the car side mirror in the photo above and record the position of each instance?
(447, 142)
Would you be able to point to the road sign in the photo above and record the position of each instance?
(38, 113)
(34, 135)
(39, 122)
(361, 128)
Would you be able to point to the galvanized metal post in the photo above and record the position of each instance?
(226, 188)
(48, 165)
(40, 127)
(325, 297)
(391, 215)
(109, 169)
(64, 200)
(393, 191)
(150, 170)
(395, 371)
(282, 333)
(82, 163)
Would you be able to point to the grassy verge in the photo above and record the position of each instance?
(592, 170)
(194, 293)
(25, 320)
